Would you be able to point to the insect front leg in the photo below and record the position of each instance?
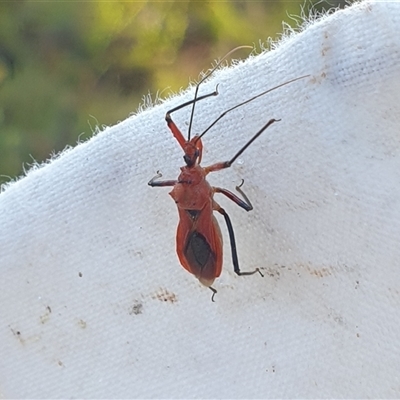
(153, 182)
(235, 259)
(171, 124)
(227, 164)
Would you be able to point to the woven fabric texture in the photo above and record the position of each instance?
(93, 300)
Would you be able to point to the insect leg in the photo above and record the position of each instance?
(153, 181)
(245, 204)
(171, 124)
(214, 293)
(235, 259)
(188, 103)
(227, 164)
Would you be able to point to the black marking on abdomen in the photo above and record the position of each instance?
(198, 249)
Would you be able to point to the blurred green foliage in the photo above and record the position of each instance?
(67, 66)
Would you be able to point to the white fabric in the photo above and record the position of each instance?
(325, 185)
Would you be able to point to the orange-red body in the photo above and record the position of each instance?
(198, 239)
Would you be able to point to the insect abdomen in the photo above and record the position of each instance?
(200, 257)
(198, 251)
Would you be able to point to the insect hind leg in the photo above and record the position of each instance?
(235, 259)
(214, 293)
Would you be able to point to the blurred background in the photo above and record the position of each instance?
(67, 67)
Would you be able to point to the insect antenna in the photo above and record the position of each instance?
(204, 78)
(248, 101)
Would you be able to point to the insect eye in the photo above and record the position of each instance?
(187, 159)
(191, 155)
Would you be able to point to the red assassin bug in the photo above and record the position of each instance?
(198, 238)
